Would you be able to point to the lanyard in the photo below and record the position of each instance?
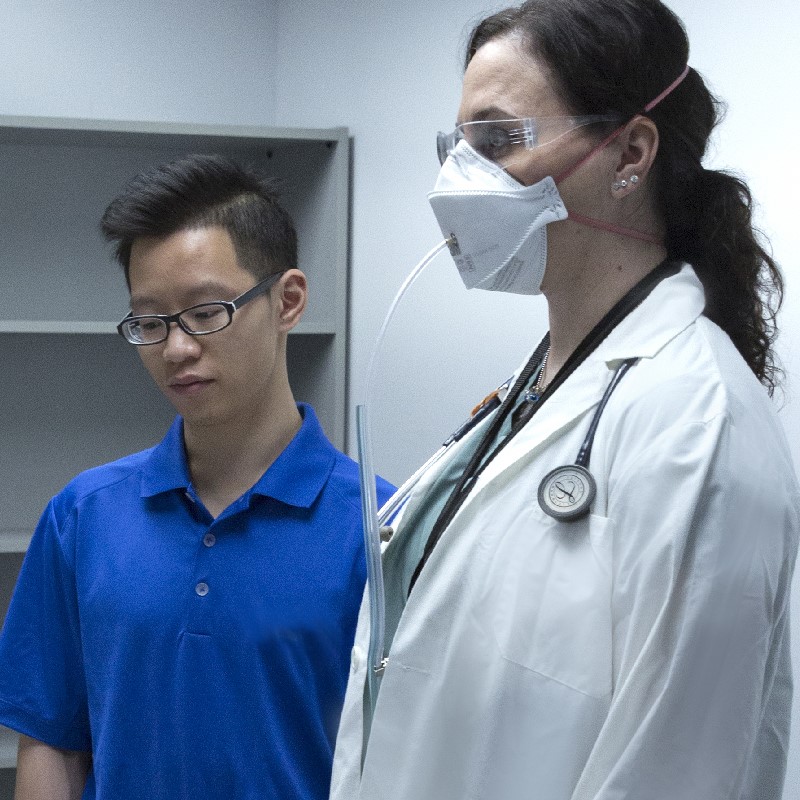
(484, 454)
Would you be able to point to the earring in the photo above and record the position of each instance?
(623, 184)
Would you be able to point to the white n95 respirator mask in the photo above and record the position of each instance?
(494, 226)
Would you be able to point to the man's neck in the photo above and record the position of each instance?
(225, 460)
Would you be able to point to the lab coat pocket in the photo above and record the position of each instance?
(548, 587)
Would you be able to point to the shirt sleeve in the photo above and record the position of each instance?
(705, 526)
(42, 684)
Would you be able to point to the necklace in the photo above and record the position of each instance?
(539, 386)
(533, 394)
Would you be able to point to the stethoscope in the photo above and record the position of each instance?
(567, 492)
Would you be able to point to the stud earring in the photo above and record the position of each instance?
(623, 184)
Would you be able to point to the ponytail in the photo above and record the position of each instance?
(614, 56)
(709, 221)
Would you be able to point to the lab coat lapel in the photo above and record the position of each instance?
(672, 306)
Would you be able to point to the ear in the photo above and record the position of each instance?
(291, 296)
(638, 146)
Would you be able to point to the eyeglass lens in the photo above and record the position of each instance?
(205, 318)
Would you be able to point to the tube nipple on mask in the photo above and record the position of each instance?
(452, 245)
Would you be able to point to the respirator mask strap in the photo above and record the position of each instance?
(609, 226)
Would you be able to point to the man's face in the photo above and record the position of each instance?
(233, 374)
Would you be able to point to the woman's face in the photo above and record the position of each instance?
(503, 82)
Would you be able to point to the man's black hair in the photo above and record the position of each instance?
(200, 191)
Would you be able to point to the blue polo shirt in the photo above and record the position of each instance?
(194, 657)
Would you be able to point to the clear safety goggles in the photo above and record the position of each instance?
(502, 140)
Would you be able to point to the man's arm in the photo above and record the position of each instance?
(49, 773)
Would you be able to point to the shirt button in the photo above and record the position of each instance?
(209, 540)
(386, 532)
(201, 589)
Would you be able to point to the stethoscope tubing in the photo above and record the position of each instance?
(566, 493)
(586, 448)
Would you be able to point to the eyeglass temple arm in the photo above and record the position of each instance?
(258, 289)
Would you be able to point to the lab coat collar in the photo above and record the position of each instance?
(669, 309)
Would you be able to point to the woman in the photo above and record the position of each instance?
(617, 629)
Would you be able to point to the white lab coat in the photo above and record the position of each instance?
(642, 652)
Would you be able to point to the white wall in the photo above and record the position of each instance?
(391, 72)
(178, 60)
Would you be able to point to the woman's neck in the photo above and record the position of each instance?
(581, 287)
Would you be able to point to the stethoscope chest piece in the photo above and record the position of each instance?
(566, 493)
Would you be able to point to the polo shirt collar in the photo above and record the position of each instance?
(296, 477)
(167, 469)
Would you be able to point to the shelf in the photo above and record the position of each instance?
(15, 540)
(75, 394)
(52, 253)
(8, 748)
(55, 326)
(69, 403)
(44, 326)
(57, 131)
(59, 277)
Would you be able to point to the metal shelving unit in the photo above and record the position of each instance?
(75, 395)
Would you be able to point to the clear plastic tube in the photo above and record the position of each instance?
(369, 503)
(413, 275)
(372, 542)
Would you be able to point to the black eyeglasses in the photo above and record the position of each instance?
(199, 320)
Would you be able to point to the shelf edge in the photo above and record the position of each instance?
(172, 128)
(15, 540)
(76, 326)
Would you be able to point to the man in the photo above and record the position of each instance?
(183, 621)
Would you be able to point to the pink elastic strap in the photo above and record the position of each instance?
(674, 85)
(610, 226)
(613, 135)
(610, 138)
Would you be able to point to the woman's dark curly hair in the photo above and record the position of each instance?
(615, 56)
